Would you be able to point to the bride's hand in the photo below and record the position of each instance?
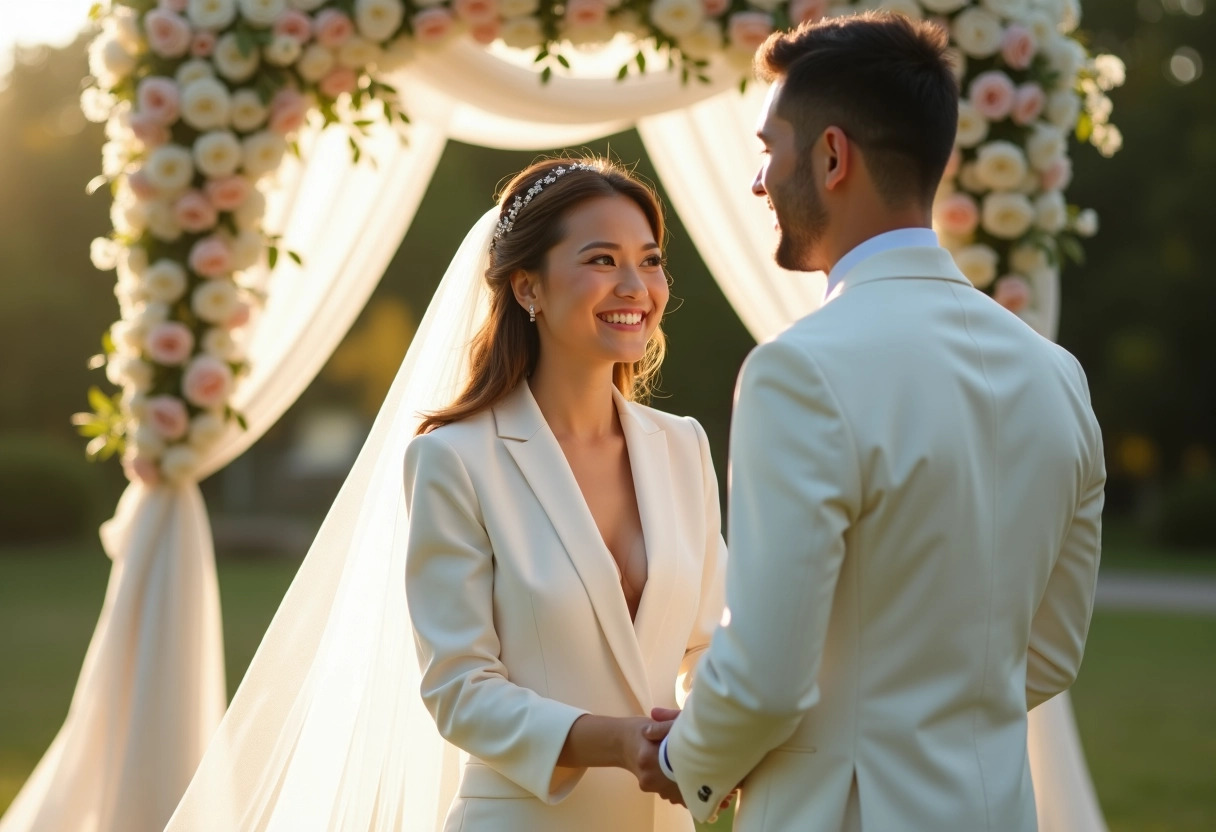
(641, 757)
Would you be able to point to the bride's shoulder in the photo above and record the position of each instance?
(463, 436)
(685, 428)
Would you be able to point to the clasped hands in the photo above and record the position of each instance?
(642, 755)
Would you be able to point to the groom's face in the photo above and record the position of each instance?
(786, 179)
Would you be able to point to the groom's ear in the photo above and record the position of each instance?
(838, 152)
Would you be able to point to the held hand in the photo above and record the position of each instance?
(663, 718)
(641, 755)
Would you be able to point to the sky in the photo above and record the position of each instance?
(39, 21)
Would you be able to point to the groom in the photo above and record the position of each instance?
(916, 486)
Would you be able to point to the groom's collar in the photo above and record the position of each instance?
(924, 262)
(899, 238)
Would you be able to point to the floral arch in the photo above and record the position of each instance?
(265, 158)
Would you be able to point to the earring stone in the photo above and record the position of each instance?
(532, 312)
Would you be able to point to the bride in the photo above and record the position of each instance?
(558, 548)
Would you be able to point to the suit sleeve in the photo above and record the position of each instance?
(449, 587)
(794, 491)
(1061, 623)
(713, 577)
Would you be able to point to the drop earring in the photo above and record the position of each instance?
(532, 312)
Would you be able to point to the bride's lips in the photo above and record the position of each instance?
(625, 320)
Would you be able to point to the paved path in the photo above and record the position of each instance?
(1130, 590)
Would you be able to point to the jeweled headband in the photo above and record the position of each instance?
(508, 221)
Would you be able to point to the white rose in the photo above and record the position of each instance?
(358, 53)
(206, 104)
(122, 24)
(97, 105)
(134, 403)
(1065, 57)
(704, 43)
(137, 374)
(978, 263)
(109, 63)
(115, 156)
(1001, 165)
(1100, 107)
(1040, 25)
(1086, 223)
(1053, 9)
(263, 153)
(521, 32)
(193, 70)
(217, 153)
(215, 301)
(162, 222)
(969, 178)
(133, 261)
(178, 463)
(127, 338)
(1111, 72)
(1046, 145)
(972, 127)
(1026, 259)
(247, 112)
(205, 430)
(1007, 215)
(104, 253)
(1051, 212)
(218, 343)
(677, 18)
(211, 14)
(169, 167)
(282, 51)
(231, 62)
(517, 8)
(397, 54)
(908, 8)
(978, 32)
(1107, 138)
(247, 248)
(307, 5)
(1063, 109)
(251, 212)
(1008, 9)
(1071, 17)
(130, 293)
(938, 6)
(164, 281)
(150, 314)
(378, 20)
(262, 12)
(129, 216)
(315, 62)
(147, 439)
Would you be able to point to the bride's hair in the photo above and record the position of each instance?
(504, 353)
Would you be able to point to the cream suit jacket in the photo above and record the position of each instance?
(916, 492)
(520, 621)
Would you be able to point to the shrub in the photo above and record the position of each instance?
(1188, 513)
(48, 490)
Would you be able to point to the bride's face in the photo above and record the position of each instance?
(604, 290)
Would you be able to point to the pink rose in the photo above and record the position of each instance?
(1012, 292)
(713, 8)
(207, 382)
(194, 212)
(239, 317)
(1018, 46)
(432, 25)
(477, 12)
(141, 468)
(140, 184)
(332, 28)
(584, 12)
(149, 130)
(486, 33)
(953, 164)
(1058, 175)
(958, 214)
(178, 6)
(203, 44)
(158, 98)
(227, 193)
(168, 416)
(211, 257)
(168, 33)
(747, 30)
(1028, 102)
(807, 11)
(991, 94)
(294, 24)
(288, 110)
(170, 343)
(337, 81)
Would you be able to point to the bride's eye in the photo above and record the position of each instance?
(655, 261)
(602, 260)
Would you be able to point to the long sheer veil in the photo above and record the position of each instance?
(327, 730)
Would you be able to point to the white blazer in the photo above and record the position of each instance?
(916, 493)
(520, 620)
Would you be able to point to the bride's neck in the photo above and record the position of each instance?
(577, 404)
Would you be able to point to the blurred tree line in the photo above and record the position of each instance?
(1135, 313)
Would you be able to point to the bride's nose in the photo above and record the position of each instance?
(630, 285)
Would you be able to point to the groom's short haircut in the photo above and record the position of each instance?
(885, 80)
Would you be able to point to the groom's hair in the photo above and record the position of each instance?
(885, 80)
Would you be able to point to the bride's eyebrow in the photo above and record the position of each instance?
(614, 246)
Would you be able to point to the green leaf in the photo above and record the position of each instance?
(100, 402)
(640, 59)
(541, 55)
(561, 59)
(622, 73)
(1071, 248)
(295, 257)
(388, 88)
(245, 42)
(743, 85)
(546, 74)
(95, 11)
(272, 256)
(93, 429)
(240, 420)
(107, 343)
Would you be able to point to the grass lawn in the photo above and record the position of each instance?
(1145, 702)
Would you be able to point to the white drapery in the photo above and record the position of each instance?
(150, 693)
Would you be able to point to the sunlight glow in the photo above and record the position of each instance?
(53, 22)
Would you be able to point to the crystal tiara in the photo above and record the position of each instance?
(508, 221)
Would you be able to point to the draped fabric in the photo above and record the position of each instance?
(150, 693)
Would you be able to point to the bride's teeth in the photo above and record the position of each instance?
(631, 319)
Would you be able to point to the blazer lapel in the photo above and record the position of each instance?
(910, 262)
(540, 458)
(650, 461)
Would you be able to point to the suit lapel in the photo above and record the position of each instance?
(910, 262)
(536, 451)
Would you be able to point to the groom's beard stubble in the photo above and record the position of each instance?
(802, 218)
